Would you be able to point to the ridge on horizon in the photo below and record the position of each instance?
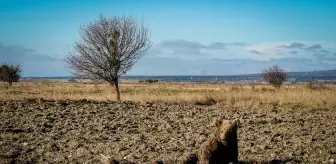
(331, 72)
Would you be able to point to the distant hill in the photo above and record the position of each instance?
(327, 76)
(314, 73)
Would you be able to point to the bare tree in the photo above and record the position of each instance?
(274, 75)
(108, 48)
(10, 73)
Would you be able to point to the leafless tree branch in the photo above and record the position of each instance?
(274, 75)
(10, 73)
(108, 48)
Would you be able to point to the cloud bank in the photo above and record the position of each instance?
(183, 57)
(32, 64)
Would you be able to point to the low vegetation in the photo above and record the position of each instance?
(296, 96)
(315, 85)
(149, 81)
(10, 73)
(274, 76)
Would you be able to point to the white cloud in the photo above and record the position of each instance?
(280, 50)
(178, 66)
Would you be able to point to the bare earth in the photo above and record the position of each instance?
(79, 131)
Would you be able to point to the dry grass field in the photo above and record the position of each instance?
(167, 121)
(295, 96)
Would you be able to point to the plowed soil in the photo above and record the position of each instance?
(79, 131)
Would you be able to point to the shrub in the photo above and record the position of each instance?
(72, 80)
(252, 86)
(235, 88)
(10, 73)
(148, 81)
(274, 76)
(208, 100)
(314, 85)
(265, 89)
(152, 81)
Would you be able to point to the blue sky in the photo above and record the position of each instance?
(209, 37)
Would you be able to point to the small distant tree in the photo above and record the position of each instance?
(274, 75)
(108, 48)
(10, 73)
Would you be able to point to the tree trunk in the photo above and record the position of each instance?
(116, 87)
(10, 83)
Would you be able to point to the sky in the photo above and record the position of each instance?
(190, 37)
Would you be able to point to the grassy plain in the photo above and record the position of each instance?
(294, 96)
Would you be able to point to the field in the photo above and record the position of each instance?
(165, 121)
(296, 96)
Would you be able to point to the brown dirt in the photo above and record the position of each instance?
(79, 131)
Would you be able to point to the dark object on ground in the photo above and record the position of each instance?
(222, 145)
